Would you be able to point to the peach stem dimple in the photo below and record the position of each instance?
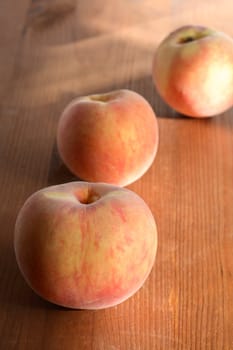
(86, 196)
(188, 39)
(191, 37)
(101, 98)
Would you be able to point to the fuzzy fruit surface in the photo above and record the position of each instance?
(111, 138)
(85, 245)
(193, 71)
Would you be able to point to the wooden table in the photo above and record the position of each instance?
(52, 51)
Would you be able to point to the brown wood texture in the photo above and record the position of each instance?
(54, 50)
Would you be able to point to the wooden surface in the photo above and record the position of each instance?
(52, 51)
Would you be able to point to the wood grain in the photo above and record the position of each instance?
(54, 50)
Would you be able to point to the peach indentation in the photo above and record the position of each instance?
(86, 195)
(102, 97)
(184, 39)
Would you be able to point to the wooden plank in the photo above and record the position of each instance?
(56, 50)
(12, 19)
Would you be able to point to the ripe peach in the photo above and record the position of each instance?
(193, 71)
(111, 138)
(85, 245)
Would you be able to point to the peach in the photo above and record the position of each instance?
(85, 245)
(193, 71)
(111, 138)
